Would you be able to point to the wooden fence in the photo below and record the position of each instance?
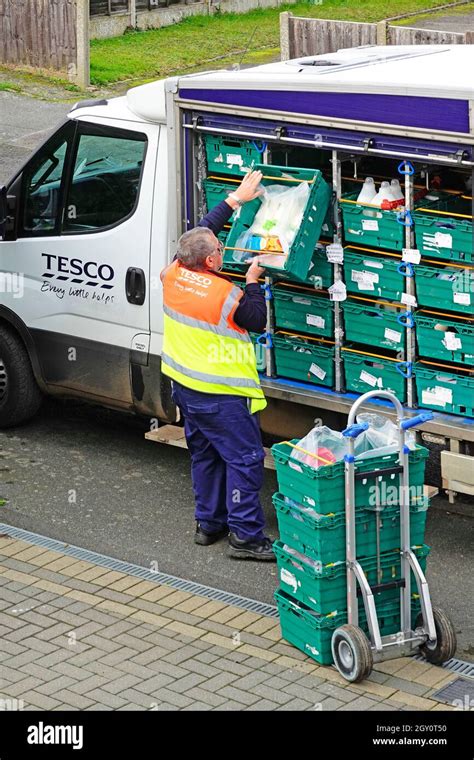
(301, 37)
(46, 34)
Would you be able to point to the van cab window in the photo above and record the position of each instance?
(104, 182)
(42, 189)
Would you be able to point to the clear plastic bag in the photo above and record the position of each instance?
(275, 224)
(380, 438)
(322, 446)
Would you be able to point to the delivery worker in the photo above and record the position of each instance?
(208, 353)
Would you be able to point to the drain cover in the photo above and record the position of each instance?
(459, 693)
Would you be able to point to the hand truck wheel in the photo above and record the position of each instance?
(444, 647)
(352, 653)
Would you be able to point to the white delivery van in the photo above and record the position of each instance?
(94, 215)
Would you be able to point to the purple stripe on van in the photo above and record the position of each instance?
(445, 114)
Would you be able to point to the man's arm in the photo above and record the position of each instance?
(220, 214)
(251, 313)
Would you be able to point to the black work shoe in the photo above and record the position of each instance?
(203, 538)
(260, 550)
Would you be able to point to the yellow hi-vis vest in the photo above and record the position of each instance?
(203, 348)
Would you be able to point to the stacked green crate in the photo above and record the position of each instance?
(312, 597)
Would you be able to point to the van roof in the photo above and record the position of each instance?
(409, 69)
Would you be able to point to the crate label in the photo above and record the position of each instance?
(318, 371)
(462, 298)
(234, 159)
(443, 239)
(365, 280)
(370, 224)
(444, 393)
(451, 341)
(219, 159)
(408, 300)
(438, 396)
(393, 335)
(312, 649)
(366, 377)
(431, 399)
(411, 255)
(335, 253)
(337, 291)
(295, 466)
(288, 578)
(313, 319)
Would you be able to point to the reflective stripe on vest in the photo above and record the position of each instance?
(203, 348)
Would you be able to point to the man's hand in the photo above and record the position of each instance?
(247, 190)
(254, 271)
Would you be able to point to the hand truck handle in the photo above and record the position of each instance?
(419, 419)
(356, 429)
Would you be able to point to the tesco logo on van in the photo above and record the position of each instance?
(87, 273)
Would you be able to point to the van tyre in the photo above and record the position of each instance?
(444, 648)
(352, 653)
(20, 396)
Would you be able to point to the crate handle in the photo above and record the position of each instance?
(406, 319)
(257, 148)
(405, 218)
(405, 369)
(266, 336)
(445, 225)
(409, 170)
(406, 269)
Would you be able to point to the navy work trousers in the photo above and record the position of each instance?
(227, 455)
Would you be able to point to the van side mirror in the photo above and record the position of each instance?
(8, 204)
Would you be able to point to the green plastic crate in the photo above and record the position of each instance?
(373, 323)
(301, 251)
(323, 588)
(366, 273)
(445, 287)
(445, 391)
(364, 373)
(303, 311)
(445, 339)
(323, 488)
(304, 359)
(309, 632)
(228, 155)
(445, 236)
(312, 633)
(372, 226)
(324, 537)
(320, 273)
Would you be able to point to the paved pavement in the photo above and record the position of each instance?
(77, 636)
(455, 22)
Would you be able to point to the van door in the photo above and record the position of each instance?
(83, 255)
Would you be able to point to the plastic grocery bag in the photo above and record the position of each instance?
(322, 446)
(380, 438)
(275, 224)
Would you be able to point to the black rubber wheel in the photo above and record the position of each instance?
(20, 397)
(352, 653)
(444, 647)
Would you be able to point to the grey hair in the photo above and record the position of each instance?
(195, 246)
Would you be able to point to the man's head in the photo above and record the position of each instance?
(200, 249)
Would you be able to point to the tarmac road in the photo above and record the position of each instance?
(88, 477)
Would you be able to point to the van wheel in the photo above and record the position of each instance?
(20, 397)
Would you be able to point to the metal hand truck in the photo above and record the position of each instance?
(433, 634)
